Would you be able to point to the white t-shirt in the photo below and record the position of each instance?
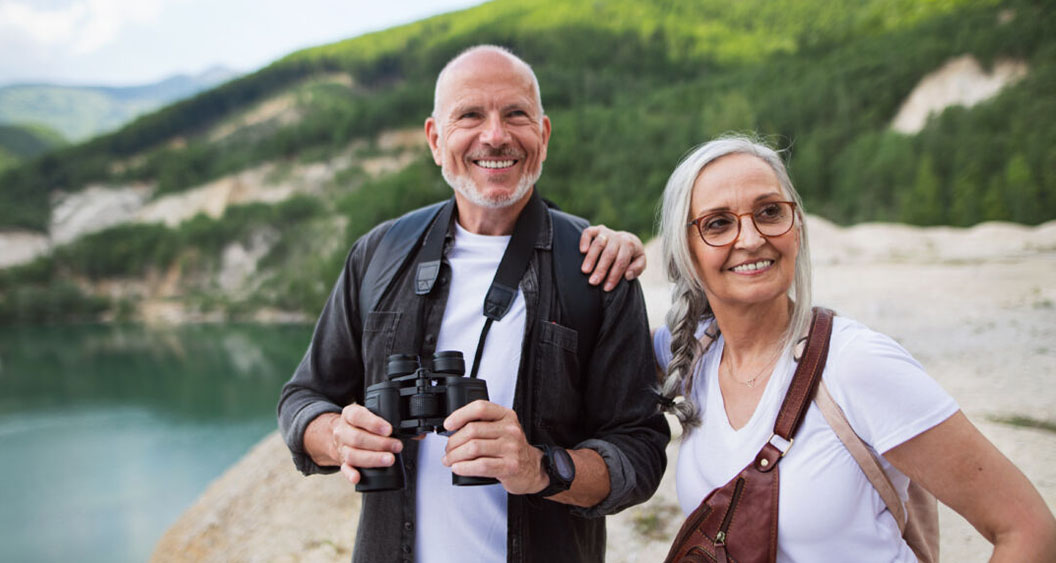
(827, 509)
(453, 521)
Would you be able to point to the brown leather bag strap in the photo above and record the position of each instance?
(800, 391)
(807, 376)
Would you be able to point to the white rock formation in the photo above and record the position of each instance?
(93, 209)
(238, 262)
(961, 81)
(99, 207)
(19, 247)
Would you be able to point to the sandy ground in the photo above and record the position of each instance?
(977, 307)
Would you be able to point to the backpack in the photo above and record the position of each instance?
(918, 520)
(580, 301)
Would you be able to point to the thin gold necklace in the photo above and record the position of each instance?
(750, 383)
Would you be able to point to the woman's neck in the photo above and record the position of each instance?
(753, 331)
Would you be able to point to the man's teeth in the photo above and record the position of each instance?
(752, 266)
(495, 163)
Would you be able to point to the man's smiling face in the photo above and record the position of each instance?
(488, 132)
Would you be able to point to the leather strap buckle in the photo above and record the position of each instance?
(780, 443)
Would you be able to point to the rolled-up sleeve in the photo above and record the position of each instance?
(330, 375)
(628, 430)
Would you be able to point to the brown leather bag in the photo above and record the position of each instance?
(738, 521)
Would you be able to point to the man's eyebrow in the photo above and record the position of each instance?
(459, 109)
(523, 106)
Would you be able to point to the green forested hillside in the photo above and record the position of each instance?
(630, 86)
(21, 142)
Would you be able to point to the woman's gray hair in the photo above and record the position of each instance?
(689, 303)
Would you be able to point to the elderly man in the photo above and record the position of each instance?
(569, 431)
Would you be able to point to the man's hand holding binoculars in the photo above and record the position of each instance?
(488, 441)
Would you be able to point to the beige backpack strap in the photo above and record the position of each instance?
(861, 454)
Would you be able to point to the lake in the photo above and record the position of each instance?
(108, 433)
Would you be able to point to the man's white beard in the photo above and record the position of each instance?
(469, 190)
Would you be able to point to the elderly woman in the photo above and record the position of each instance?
(735, 246)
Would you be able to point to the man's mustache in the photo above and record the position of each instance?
(501, 152)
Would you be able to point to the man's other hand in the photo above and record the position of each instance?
(355, 438)
(488, 441)
(610, 255)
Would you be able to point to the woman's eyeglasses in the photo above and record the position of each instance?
(771, 219)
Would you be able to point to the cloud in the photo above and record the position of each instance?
(79, 26)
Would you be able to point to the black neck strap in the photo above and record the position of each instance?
(433, 250)
(511, 269)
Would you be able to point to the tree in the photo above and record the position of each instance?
(994, 206)
(923, 205)
(965, 208)
(1022, 192)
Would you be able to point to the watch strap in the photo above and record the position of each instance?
(557, 484)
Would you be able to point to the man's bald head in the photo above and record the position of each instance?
(482, 54)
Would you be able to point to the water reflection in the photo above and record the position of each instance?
(108, 433)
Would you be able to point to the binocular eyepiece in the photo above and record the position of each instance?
(415, 400)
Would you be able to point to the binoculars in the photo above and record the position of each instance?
(415, 400)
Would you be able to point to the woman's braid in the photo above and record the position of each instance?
(687, 310)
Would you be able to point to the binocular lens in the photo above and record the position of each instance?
(449, 361)
(401, 364)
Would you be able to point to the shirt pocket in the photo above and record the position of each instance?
(379, 333)
(558, 393)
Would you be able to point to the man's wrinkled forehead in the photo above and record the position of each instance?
(483, 60)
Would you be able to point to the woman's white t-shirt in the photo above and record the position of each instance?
(827, 509)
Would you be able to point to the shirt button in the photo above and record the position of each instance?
(406, 548)
(408, 526)
(430, 339)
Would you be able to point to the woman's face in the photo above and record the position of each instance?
(753, 269)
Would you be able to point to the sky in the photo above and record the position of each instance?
(133, 42)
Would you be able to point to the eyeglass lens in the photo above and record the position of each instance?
(771, 219)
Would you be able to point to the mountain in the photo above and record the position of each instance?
(19, 142)
(80, 112)
(244, 198)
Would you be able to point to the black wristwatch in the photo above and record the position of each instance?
(559, 467)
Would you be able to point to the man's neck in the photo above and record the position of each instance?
(491, 221)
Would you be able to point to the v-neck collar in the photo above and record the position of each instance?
(716, 400)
